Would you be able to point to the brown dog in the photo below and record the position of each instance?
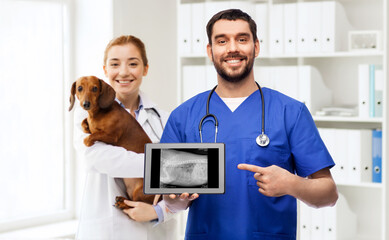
(110, 123)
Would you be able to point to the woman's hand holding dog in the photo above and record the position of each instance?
(140, 211)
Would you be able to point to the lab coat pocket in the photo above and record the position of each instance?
(271, 236)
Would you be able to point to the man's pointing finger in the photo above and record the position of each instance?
(250, 167)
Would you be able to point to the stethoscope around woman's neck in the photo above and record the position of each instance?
(262, 140)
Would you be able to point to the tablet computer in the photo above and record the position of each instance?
(184, 167)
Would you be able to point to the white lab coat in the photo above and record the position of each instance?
(105, 166)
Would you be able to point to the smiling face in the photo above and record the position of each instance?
(233, 49)
(125, 69)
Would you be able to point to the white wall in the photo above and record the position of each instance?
(93, 31)
(154, 22)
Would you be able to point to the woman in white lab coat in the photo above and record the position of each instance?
(125, 64)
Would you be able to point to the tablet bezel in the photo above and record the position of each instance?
(148, 160)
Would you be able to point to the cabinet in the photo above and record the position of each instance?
(337, 64)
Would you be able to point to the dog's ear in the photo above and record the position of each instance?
(107, 95)
(72, 93)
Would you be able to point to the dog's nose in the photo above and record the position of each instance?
(86, 105)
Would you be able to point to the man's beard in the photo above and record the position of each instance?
(234, 78)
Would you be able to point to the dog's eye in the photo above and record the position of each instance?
(79, 88)
(94, 89)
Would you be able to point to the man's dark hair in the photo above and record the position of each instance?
(232, 15)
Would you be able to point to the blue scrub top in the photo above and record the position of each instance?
(242, 212)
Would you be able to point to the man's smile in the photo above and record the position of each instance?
(234, 60)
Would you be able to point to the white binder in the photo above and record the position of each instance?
(312, 90)
(378, 91)
(328, 137)
(308, 25)
(184, 29)
(328, 26)
(330, 217)
(303, 22)
(334, 27)
(198, 29)
(261, 19)
(363, 90)
(277, 29)
(290, 28)
(305, 221)
(286, 80)
(317, 226)
(359, 156)
(194, 81)
(341, 155)
(340, 222)
(328, 223)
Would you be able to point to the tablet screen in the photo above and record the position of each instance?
(184, 167)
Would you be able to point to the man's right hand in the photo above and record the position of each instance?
(177, 203)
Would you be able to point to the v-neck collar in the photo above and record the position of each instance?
(244, 103)
(233, 103)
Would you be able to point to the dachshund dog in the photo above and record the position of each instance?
(108, 122)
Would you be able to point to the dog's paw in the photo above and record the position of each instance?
(85, 126)
(88, 141)
(120, 203)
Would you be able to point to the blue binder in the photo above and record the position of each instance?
(377, 156)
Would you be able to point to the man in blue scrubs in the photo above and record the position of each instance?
(259, 203)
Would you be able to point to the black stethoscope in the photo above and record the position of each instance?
(151, 125)
(160, 121)
(262, 140)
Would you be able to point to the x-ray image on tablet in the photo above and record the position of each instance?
(184, 167)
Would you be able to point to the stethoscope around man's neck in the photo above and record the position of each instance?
(262, 140)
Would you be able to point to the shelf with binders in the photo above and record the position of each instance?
(290, 29)
(348, 219)
(340, 54)
(335, 91)
(357, 154)
(355, 83)
(332, 71)
(354, 153)
(321, 28)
